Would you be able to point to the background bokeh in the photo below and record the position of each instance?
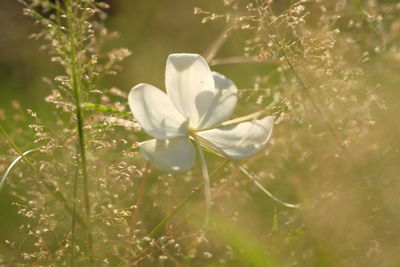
(150, 29)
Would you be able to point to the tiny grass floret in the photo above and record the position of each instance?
(197, 104)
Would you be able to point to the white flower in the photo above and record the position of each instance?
(197, 101)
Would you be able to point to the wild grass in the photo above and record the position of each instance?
(326, 70)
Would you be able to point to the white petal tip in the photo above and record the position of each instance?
(183, 61)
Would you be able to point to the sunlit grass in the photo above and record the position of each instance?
(326, 70)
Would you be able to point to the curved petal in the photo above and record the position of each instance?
(155, 112)
(223, 103)
(242, 140)
(170, 155)
(190, 85)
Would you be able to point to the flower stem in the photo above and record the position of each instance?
(206, 181)
(260, 186)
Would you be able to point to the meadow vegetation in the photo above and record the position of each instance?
(80, 192)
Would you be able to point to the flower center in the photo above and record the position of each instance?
(191, 131)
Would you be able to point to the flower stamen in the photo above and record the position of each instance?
(251, 117)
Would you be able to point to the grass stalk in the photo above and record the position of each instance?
(217, 44)
(73, 222)
(77, 84)
(5, 176)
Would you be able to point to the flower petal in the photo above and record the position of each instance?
(190, 85)
(242, 140)
(155, 112)
(223, 104)
(174, 155)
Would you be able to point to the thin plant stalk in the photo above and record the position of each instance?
(5, 176)
(217, 44)
(76, 84)
(75, 199)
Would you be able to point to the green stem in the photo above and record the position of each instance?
(76, 83)
(73, 223)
